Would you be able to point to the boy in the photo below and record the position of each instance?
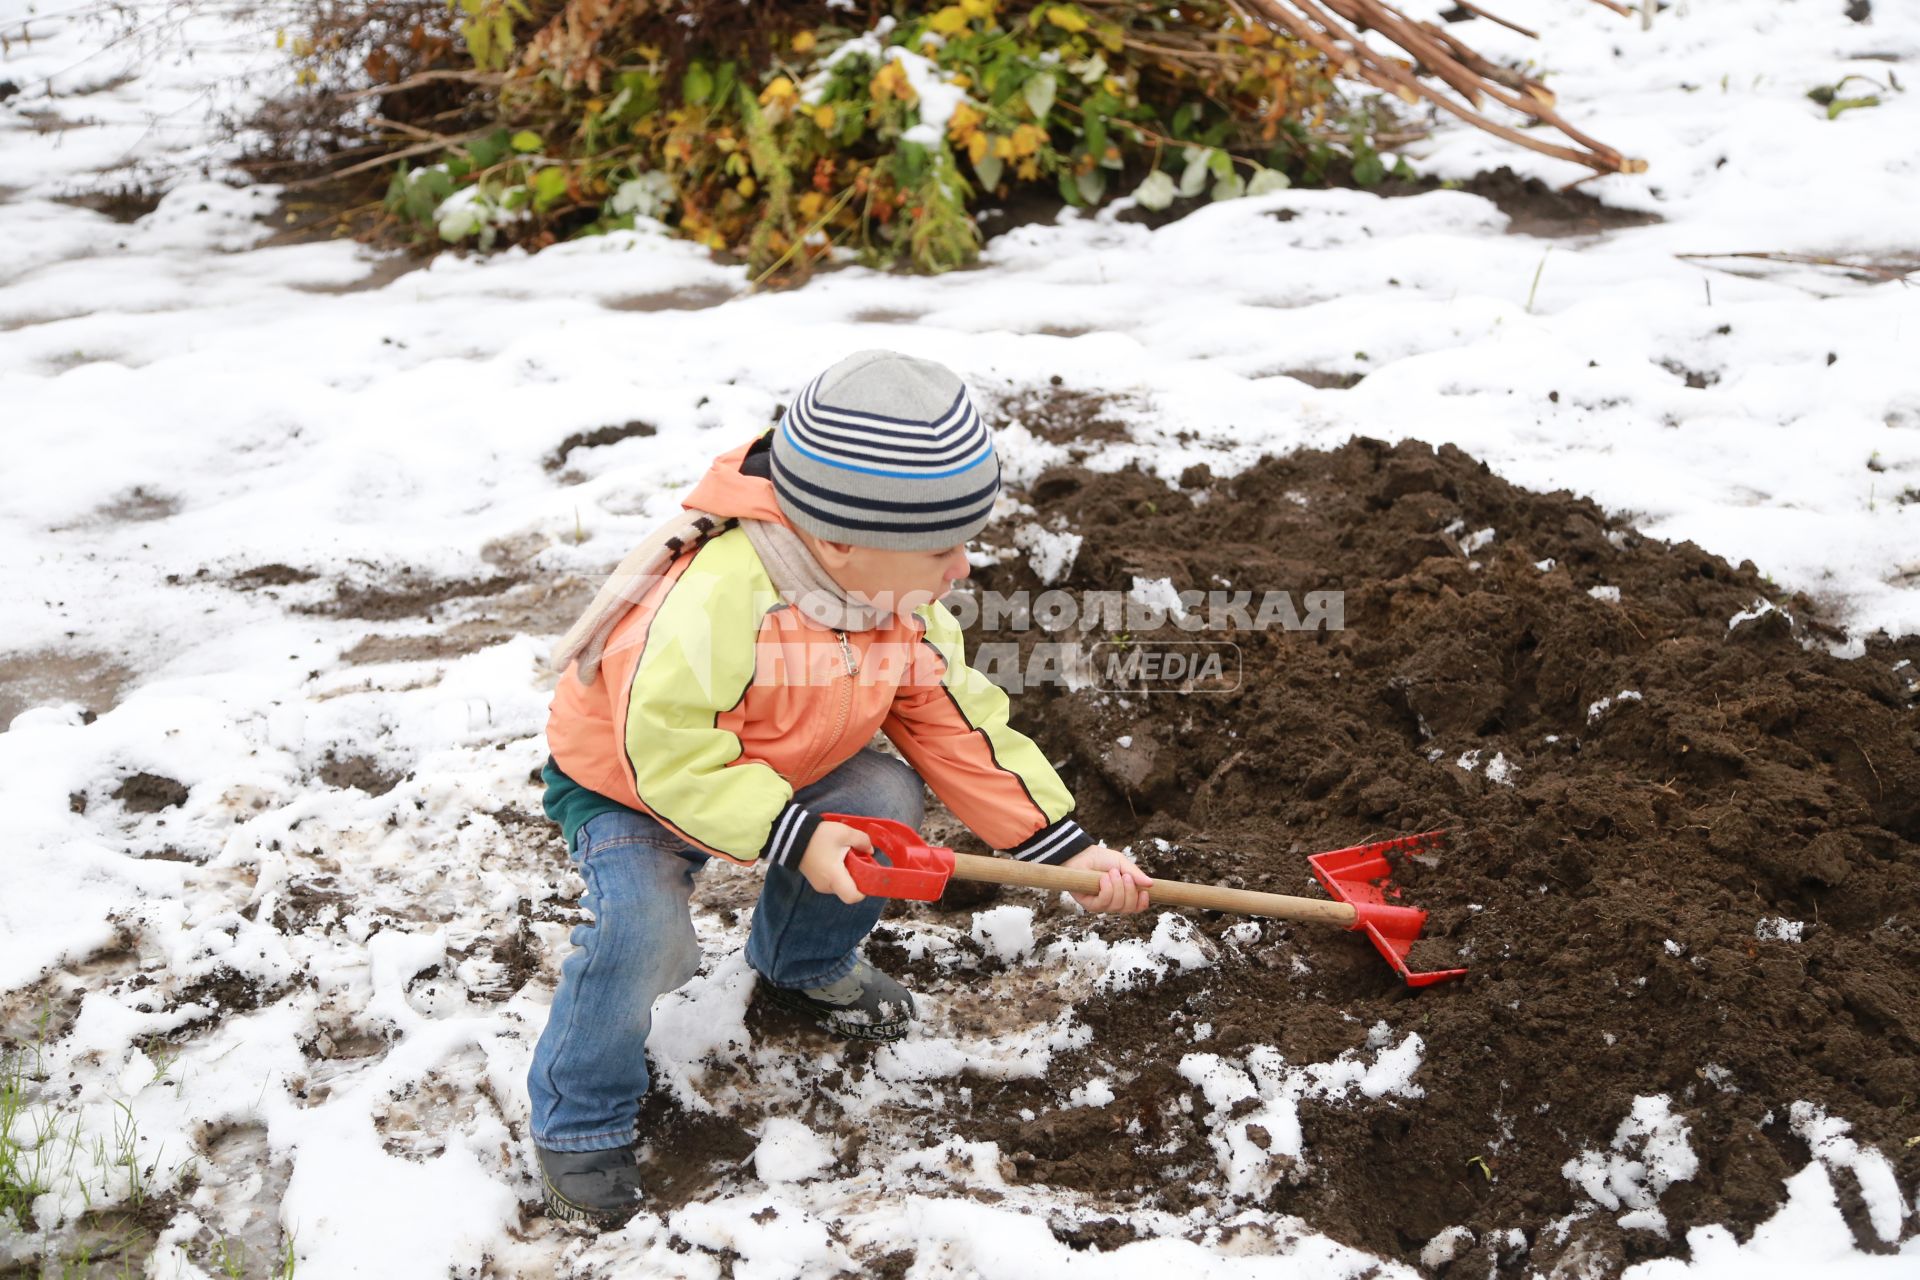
(718, 697)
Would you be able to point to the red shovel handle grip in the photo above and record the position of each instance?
(912, 870)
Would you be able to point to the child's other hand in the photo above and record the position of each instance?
(824, 864)
(1123, 886)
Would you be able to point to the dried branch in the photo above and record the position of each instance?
(1886, 271)
(1333, 31)
(1496, 19)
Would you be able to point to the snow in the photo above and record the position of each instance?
(1499, 769)
(1005, 933)
(1808, 1236)
(1258, 1146)
(790, 1152)
(1760, 608)
(1778, 929)
(1158, 595)
(1827, 1137)
(1649, 1153)
(185, 398)
(1174, 947)
(1446, 1246)
(1600, 708)
(1051, 552)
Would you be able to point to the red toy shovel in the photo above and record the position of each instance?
(1357, 878)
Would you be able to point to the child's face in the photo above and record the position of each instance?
(896, 581)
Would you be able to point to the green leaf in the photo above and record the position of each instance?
(1092, 184)
(697, 84)
(723, 85)
(1221, 163)
(1096, 135)
(421, 202)
(1367, 168)
(486, 152)
(1195, 175)
(1069, 189)
(1838, 105)
(435, 182)
(1229, 188)
(549, 185)
(526, 140)
(1266, 180)
(1156, 192)
(1039, 93)
(990, 168)
(910, 163)
(1183, 119)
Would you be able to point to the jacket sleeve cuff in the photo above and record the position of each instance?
(1053, 843)
(793, 828)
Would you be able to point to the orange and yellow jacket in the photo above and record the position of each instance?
(716, 701)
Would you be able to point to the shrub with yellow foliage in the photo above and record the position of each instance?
(783, 134)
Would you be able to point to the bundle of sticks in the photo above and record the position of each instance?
(1443, 71)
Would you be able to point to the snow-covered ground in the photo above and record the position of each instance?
(294, 1003)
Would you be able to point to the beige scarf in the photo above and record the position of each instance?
(796, 575)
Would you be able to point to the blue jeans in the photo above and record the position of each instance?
(589, 1070)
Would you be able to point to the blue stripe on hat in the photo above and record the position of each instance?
(784, 477)
(910, 474)
(962, 520)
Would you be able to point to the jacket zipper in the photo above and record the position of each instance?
(844, 708)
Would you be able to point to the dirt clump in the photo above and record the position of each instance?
(47, 677)
(407, 594)
(150, 793)
(596, 438)
(270, 575)
(1533, 207)
(363, 772)
(1684, 853)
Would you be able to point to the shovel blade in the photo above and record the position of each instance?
(1360, 877)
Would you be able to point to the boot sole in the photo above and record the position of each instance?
(872, 1032)
(558, 1206)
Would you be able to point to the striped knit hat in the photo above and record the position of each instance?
(886, 450)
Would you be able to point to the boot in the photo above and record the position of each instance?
(596, 1188)
(864, 1005)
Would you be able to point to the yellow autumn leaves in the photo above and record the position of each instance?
(890, 82)
(955, 18)
(782, 96)
(1022, 146)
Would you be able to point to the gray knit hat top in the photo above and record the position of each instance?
(886, 450)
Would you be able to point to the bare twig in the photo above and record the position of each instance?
(1886, 272)
(417, 149)
(479, 79)
(1478, 12)
(1446, 60)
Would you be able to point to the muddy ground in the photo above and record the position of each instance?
(1635, 787)
(1606, 896)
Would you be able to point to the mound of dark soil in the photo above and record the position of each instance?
(1633, 786)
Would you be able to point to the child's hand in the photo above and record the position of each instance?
(1123, 886)
(824, 864)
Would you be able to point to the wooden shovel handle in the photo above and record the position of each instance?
(1162, 893)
